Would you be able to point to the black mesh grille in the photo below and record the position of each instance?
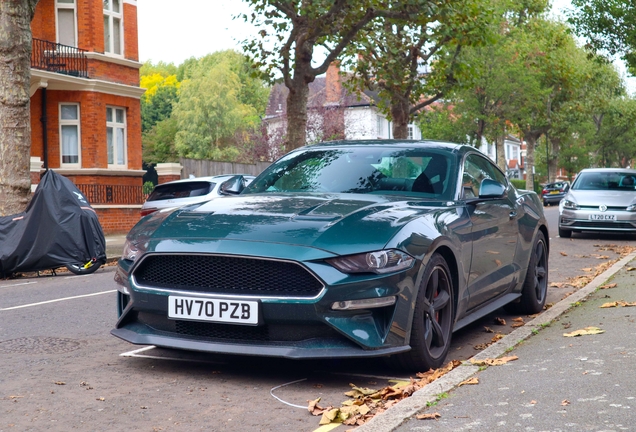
(229, 333)
(227, 275)
(608, 225)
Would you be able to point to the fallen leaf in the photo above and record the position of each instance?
(533, 402)
(520, 324)
(608, 286)
(329, 416)
(588, 269)
(493, 362)
(557, 284)
(518, 319)
(470, 381)
(564, 254)
(101, 399)
(603, 257)
(59, 383)
(489, 330)
(15, 397)
(617, 304)
(432, 416)
(565, 402)
(631, 268)
(500, 321)
(585, 331)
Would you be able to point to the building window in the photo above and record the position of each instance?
(66, 22)
(380, 126)
(70, 133)
(116, 136)
(410, 132)
(113, 27)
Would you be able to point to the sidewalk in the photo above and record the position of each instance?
(584, 383)
(114, 246)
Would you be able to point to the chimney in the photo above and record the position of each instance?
(333, 86)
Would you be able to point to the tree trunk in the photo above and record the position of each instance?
(15, 77)
(400, 116)
(501, 152)
(297, 115)
(553, 161)
(531, 140)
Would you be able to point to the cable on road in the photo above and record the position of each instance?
(271, 392)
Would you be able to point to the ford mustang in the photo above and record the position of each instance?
(338, 250)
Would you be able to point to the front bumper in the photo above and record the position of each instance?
(579, 220)
(288, 327)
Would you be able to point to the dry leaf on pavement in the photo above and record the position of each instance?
(608, 286)
(432, 416)
(500, 321)
(565, 402)
(585, 331)
(618, 304)
(469, 381)
(493, 362)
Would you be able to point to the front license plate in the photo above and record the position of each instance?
(215, 310)
(603, 217)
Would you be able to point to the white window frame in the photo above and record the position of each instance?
(410, 132)
(71, 122)
(59, 6)
(116, 125)
(111, 15)
(380, 126)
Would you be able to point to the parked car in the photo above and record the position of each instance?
(186, 191)
(347, 249)
(552, 193)
(601, 199)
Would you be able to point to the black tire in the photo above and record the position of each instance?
(80, 269)
(535, 285)
(433, 319)
(565, 233)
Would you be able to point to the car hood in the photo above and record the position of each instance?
(610, 198)
(337, 223)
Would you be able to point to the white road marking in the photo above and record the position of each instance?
(17, 284)
(57, 300)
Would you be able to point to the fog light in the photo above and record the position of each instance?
(364, 304)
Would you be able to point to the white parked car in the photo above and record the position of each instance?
(600, 199)
(187, 191)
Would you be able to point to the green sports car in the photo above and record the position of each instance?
(340, 249)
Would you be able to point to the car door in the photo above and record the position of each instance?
(494, 232)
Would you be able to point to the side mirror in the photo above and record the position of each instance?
(491, 189)
(233, 186)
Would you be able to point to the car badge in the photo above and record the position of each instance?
(602, 208)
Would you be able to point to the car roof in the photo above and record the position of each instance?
(614, 170)
(392, 142)
(215, 178)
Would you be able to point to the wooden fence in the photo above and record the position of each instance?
(201, 168)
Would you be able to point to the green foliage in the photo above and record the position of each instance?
(158, 143)
(147, 187)
(441, 123)
(158, 107)
(518, 183)
(608, 25)
(162, 68)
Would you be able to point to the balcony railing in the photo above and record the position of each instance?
(112, 194)
(55, 57)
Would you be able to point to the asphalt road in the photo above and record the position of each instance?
(62, 370)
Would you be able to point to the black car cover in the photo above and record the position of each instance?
(58, 227)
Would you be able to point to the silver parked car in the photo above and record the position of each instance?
(187, 191)
(600, 199)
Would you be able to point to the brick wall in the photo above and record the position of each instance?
(92, 127)
(113, 72)
(42, 26)
(117, 220)
(131, 38)
(168, 178)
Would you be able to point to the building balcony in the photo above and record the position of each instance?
(55, 57)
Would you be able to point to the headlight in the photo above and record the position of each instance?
(384, 261)
(569, 204)
(133, 250)
(631, 207)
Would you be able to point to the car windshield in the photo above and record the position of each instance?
(605, 181)
(180, 190)
(418, 172)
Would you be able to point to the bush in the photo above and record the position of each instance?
(148, 187)
(521, 184)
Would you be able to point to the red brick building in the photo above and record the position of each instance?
(85, 103)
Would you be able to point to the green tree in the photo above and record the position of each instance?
(158, 143)
(290, 32)
(413, 63)
(608, 25)
(157, 102)
(15, 77)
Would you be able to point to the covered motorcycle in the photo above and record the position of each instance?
(58, 228)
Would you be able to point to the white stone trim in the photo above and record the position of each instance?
(166, 169)
(58, 81)
(131, 2)
(111, 59)
(36, 164)
(100, 172)
(35, 85)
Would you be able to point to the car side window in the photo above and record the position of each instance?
(476, 169)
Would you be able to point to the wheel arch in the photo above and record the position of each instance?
(451, 261)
